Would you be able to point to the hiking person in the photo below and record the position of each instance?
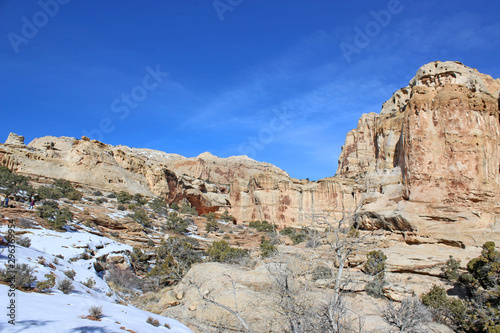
(6, 202)
(32, 203)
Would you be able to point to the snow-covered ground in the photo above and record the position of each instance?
(58, 312)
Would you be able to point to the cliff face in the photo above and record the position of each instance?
(438, 138)
(430, 157)
(432, 154)
(203, 180)
(289, 202)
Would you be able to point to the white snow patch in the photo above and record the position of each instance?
(197, 237)
(65, 313)
(57, 312)
(117, 215)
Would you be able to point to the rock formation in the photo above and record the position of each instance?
(432, 154)
(290, 202)
(15, 139)
(203, 180)
(429, 159)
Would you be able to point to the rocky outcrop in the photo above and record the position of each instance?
(15, 139)
(433, 152)
(218, 170)
(290, 202)
(374, 221)
(203, 180)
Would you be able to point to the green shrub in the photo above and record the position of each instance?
(159, 206)
(321, 272)
(267, 248)
(21, 277)
(66, 286)
(263, 226)
(220, 251)
(67, 189)
(123, 197)
(449, 311)
(177, 224)
(173, 259)
(211, 226)
(60, 189)
(141, 217)
(112, 195)
(175, 206)
(140, 199)
(50, 203)
(98, 193)
(54, 216)
(375, 287)
(450, 270)
(187, 209)
(210, 216)
(46, 192)
(480, 311)
(120, 207)
(139, 260)
(24, 241)
(70, 273)
(375, 264)
(297, 236)
(11, 183)
(436, 298)
(101, 200)
(287, 231)
(485, 270)
(48, 284)
(226, 217)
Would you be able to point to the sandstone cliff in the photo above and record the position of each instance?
(432, 154)
(429, 161)
(202, 180)
(428, 164)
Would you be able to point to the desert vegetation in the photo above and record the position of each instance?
(21, 276)
(478, 311)
(13, 184)
(54, 215)
(297, 260)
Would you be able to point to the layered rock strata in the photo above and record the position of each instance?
(203, 180)
(432, 155)
(429, 159)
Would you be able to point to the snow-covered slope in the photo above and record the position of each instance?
(58, 312)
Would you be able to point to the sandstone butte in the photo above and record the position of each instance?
(427, 165)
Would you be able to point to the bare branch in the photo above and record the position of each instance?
(234, 312)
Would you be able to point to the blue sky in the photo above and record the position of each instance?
(282, 81)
